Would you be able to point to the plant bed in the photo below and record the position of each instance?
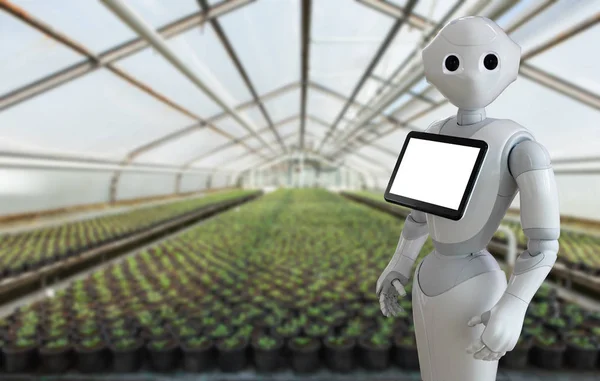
(519, 356)
(163, 354)
(92, 356)
(266, 350)
(56, 355)
(405, 351)
(581, 353)
(375, 351)
(339, 353)
(127, 354)
(20, 356)
(305, 354)
(232, 353)
(199, 354)
(547, 351)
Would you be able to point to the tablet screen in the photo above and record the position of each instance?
(436, 173)
(441, 172)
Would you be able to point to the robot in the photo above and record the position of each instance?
(466, 314)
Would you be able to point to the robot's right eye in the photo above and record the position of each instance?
(452, 63)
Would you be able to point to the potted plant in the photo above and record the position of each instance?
(232, 353)
(163, 354)
(91, 355)
(519, 356)
(375, 348)
(198, 354)
(305, 353)
(405, 351)
(582, 352)
(317, 331)
(19, 355)
(127, 354)
(547, 351)
(266, 351)
(55, 355)
(339, 352)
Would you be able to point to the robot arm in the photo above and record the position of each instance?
(398, 271)
(529, 164)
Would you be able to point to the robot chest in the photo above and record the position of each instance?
(492, 178)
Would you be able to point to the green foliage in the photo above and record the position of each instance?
(92, 342)
(267, 342)
(124, 344)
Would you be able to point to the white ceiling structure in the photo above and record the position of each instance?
(223, 85)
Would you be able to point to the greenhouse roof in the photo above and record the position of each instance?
(230, 85)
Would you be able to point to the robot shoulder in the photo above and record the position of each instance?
(435, 127)
(528, 155)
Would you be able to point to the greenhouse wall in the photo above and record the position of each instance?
(137, 185)
(26, 191)
(191, 182)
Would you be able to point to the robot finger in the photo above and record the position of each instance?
(482, 354)
(475, 347)
(395, 307)
(493, 356)
(398, 286)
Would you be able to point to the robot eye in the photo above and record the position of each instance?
(490, 61)
(452, 63)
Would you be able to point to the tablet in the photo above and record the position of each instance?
(436, 174)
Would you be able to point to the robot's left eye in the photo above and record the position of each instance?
(490, 61)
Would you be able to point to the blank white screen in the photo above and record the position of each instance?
(435, 172)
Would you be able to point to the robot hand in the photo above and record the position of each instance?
(503, 324)
(388, 292)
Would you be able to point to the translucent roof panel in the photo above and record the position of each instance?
(99, 114)
(289, 128)
(95, 26)
(230, 126)
(324, 107)
(411, 109)
(201, 49)
(88, 22)
(181, 150)
(574, 59)
(283, 106)
(548, 24)
(155, 71)
(368, 91)
(28, 55)
(255, 115)
(343, 43)
(266, 37)
(394, 140)
(402, 45)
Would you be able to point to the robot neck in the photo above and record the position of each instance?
(466, 117)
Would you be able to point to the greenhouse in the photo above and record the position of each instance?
(194, 189)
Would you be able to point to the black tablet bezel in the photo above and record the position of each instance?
(426, 207)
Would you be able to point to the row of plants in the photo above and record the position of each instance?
(283, 282)
(578, 250)
(29, 250)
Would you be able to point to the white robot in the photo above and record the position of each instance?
(466, 316)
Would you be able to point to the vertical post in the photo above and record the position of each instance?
(301, 176)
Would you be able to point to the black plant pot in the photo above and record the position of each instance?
(518, 357)
(234, 359)
(56, 360)
(340, 358)
(165, 359)
(92, 360)
(374, 357)
(18, 360)
(198, 359)
(127, 360)
(581, 359)
(548, 357)
(267, 360)
(406, 356)
(305, 359)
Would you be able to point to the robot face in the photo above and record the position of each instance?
(471, 61)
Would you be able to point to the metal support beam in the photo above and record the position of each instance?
(240, 68)
(128, 16)
(305, 22)
(397, 12)
(374, 62)
(105, 58)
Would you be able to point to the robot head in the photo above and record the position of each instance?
(471, 61)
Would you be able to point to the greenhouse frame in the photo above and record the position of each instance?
(112, 106)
